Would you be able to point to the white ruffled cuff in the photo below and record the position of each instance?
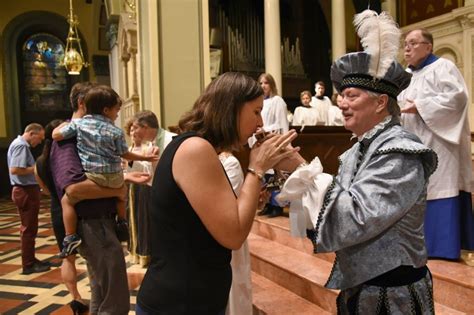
(305, 189)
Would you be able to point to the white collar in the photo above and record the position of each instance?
(369, 134)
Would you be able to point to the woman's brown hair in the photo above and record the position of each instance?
(215, 114)
(271, 81)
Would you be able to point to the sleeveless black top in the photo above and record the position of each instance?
(190, 271)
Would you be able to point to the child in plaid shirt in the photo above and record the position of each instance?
(101, 145)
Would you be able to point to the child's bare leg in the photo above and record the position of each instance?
(71, 241)
(87, 189)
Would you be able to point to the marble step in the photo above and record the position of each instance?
(272, 299)
(453, 281)
(288, 270)
(278, 230)
(301, 273)
(453, 284)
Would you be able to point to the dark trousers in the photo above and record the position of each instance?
(57, 221)
(105, 266)
(27, 201)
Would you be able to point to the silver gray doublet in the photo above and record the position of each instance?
(373, 213)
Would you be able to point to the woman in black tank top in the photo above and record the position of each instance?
(196, 220)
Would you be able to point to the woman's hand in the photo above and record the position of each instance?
(267, 154)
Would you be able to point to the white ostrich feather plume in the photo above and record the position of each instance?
(380, 37)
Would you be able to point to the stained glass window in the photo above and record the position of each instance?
(44, 77)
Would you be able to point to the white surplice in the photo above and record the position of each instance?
(274, 114)
(305, 116)
(440, 95)
(335, 116)
(322, 106)
(240, 296)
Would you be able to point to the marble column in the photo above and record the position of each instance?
(390, 6)
(273, 41)
(338, 29)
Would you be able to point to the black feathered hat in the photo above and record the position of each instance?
(376, 68)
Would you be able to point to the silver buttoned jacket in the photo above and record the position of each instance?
(373, 212)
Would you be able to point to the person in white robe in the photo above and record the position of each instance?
(274, 116)
(274, 112)
(240, 296)
(305, 114)
(435, 108)
(335, 116)
(322, 103)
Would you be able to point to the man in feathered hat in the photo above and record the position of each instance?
(371, 213)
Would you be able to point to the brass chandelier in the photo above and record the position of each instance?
(73, 56)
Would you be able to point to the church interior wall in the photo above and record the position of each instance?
(182, 73)
(88, 27)
(88, 15)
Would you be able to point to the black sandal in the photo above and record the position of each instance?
(78, 307)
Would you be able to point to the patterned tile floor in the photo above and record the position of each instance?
(41, 293)
(44, 293)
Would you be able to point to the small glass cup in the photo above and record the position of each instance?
(147, 147)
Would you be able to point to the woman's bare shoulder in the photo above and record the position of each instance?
(195, 146)
(197, 153)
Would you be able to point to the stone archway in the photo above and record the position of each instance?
(15, 33)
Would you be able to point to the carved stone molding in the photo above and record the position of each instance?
(124, 47)
(129, 107)
(128, 49)
(131, 7)
(128, 36)
(450, 52)
(466, 20)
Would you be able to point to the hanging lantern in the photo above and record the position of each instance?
(73, 56)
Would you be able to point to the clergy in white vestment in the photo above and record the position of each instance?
(322, 103)
(435, 108)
